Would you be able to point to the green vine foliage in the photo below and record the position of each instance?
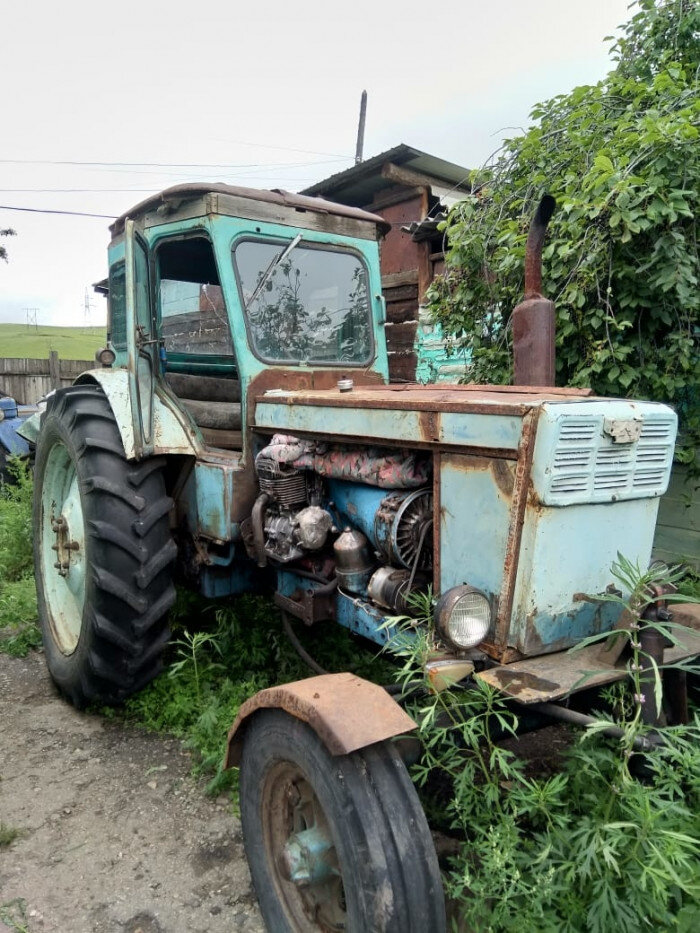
(621, 261)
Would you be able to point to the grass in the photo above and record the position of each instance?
(8, 834)
(14, 915)
(18, 615)
(71, 343)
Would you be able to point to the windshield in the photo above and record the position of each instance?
(310, 305)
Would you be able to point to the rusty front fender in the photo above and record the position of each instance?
(346, 712)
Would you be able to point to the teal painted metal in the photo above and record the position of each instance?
(62, 548)
(500, 431)
(548, 632)
(173, 430)
(569, 551)
(591, 498)
(352, 612)
(239, 576)
(214, 485)
(385, 424)
(553, 536)
(305, 856)
(225, 232)
(577, 458)
(357, 505)
(475, 503)
(364, 619)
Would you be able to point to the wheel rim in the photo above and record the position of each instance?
(62, 551)
(301, 852)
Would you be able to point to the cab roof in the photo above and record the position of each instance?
(171, 199)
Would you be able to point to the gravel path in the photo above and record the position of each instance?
(115, 837)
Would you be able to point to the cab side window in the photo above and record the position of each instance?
(192, 308)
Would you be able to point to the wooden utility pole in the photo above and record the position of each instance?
(361, 129)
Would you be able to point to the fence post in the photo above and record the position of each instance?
(54, 369)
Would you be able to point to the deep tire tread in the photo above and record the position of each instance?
(152, 514)
(141, 473)
(158, 562)
(102, 484)
(107, 532)
(129, 553)
(151, 618)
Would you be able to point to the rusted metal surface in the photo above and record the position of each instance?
(310, 604)
(521, 488)
(553, 676)
(186, 192)
(533, 248)
(346, 712)
(299, 380)
(439, 397)
(533, 320)
(437, 524)
(687, 614)
(399, 252)
(533, 323)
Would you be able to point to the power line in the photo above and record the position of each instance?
(40, 210)
(229, 165)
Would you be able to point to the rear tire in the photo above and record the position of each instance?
(104, 522)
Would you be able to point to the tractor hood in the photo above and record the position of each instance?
(483, 417)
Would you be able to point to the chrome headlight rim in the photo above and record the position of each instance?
(445, 608)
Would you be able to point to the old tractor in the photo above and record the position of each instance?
(241, 434)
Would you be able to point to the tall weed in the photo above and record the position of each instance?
(589, 848)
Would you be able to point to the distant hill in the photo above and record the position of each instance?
(71, 343)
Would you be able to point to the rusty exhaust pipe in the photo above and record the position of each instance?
(533, 320)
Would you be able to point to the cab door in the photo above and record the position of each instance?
(142, 345)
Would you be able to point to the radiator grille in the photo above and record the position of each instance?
(587, 466)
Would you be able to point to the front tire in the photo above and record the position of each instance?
(102, 551)
(335, 843)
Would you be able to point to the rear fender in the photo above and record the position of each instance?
(173, 433)
(346, 712)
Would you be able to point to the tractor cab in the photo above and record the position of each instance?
(211, 287)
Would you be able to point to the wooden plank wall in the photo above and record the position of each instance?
(678, 525)
(28, 380)
(401, 295)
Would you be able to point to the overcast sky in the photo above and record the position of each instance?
(264, 94)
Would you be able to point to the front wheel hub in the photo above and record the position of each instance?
(304, 857)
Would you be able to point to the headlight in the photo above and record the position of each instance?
(463, 616)
(106, 356)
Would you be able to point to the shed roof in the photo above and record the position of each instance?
(358, 185)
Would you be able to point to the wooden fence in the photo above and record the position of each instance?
(27, 380)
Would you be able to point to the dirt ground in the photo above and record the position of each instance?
(115, 836)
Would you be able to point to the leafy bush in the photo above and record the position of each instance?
(589, 847)
(16, 548)
(622, 159)
(18, 614)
